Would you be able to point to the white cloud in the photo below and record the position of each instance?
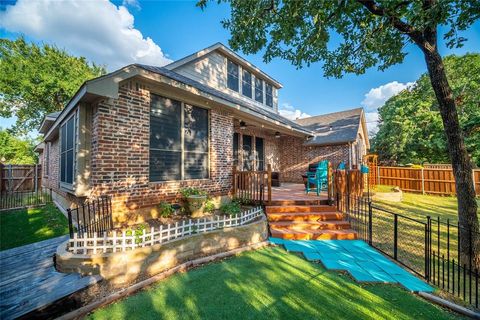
(377, 97)
(98, 30)
(289, 112)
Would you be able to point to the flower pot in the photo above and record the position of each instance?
(196, 205)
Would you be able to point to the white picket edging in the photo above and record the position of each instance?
(119, 241)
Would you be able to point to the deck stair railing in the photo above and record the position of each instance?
(254, 186)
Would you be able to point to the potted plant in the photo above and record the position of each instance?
(195, 200)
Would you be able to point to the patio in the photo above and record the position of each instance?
(296, 191)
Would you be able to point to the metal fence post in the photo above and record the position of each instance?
(395, 236)
(370, 222)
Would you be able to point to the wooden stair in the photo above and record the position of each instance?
(305, 220)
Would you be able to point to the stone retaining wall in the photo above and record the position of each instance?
(129, 266)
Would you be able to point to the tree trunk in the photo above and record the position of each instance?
(461, 164)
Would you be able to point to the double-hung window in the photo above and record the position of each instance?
(247, 83)
(179, 140)
(259, 90)
(269, 95)
(67, 151)
(232, 76)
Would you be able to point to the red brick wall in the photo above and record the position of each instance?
(120, 155)
(295, 157)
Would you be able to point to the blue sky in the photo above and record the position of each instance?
(178, 28)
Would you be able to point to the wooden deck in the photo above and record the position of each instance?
(28, 279)
(295, 191)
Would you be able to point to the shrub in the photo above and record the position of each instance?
(231, 208)
(137, 232)
(186, 192)
(209, 206)
(166, 210)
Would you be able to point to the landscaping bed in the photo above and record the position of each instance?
(24, 226)
(269, 284)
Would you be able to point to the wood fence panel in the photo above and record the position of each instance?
(20, 178)
(431, 180)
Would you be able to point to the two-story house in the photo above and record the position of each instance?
(143, 132)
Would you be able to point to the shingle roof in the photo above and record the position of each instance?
(333, 128)
(180, 78)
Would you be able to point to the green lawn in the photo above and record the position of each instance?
(24, 226)
(269, 284)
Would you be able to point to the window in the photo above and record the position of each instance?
(247, 84)
(269, 95)
(247, 153)
(236, 136)
(232, 76)
(259, 90)
(46, 164)
(178, 140)
(67, 151)
(259, 150)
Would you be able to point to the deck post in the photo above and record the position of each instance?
(269, 173)
(234, 181)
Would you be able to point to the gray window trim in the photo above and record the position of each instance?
(65, 185)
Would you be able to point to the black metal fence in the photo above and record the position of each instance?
(90, 217)
(430, 248)
(23, 199)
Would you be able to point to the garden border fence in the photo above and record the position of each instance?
(120, 241)
(23, 199)
(429, 248)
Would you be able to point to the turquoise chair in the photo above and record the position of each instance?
(319, 178)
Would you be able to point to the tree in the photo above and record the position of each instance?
(15, 150)
(370, 33)
(411, 129)
(36, 80)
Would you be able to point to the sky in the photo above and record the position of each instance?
(120, 32)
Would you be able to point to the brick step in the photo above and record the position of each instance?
(323, 202)
(311, 225)
(304, 216)
(297, 208)
(346, 234)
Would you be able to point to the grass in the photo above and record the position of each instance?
(420, 206)
(269, 284)
(29, 225)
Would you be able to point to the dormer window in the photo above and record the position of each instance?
(268, 95)
(247, 84)
(259, 90)
(232, 76)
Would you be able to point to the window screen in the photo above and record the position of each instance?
(259, 90)
(247, 84)
(232, 75)
(247, 153)
(269, 95)
(178, 145)
(67, 151)
(196, 142)
(260, 154)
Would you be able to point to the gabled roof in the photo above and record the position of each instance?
(48, 121)
(334, 128)
(226, 51)
(219, 94)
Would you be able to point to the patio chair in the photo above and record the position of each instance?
(319, 178)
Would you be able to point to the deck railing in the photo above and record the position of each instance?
(255, 186)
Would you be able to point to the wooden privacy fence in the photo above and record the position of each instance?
(255, 186)
(20, 177)
(119, 241)
(424, 180)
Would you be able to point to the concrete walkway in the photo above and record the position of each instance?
(28, 279)
(364, 263)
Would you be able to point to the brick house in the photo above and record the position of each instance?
(142, 132)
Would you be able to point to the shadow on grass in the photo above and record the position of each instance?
(269, 284)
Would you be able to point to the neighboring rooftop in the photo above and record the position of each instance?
(333, 128)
